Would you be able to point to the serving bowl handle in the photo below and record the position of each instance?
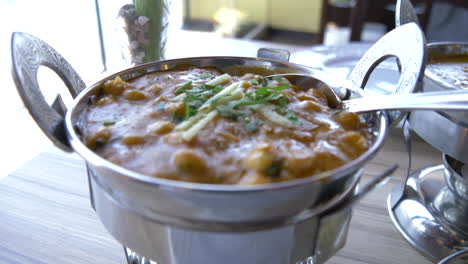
(406, 43)
(28, 54)
(273, 54)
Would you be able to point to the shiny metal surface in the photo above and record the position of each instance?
(313, 236)
(442, 100)
(445, 130)
(441, 50)
(433, 82)
(431, 216)
(149, 215)
(405, 13)
(307, 81)
(441, 132)
(218, 207)
(411, 61)
(25, 67)
(460, 257)
(273, 54)
(452, 204)
(314, 239)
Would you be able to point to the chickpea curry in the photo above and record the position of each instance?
(203, 125)
(451, 69)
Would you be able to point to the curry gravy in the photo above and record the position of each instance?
(452, 69)
(244, 130)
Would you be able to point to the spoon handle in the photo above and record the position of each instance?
(444, 100)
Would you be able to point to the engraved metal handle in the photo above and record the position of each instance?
(28, 54)
(408, 44)
(273, 54)
(405, 13)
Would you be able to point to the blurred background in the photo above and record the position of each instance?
(88, 34)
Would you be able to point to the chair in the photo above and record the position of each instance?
(383, 11)
(380, 11)
(333, 11)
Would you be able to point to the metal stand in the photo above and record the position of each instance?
(134, 258)
(430, 214)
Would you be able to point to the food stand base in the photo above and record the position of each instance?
(417, 219)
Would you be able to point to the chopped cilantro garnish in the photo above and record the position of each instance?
(202, 92)
(190, 111)
(217, 89)
(228, 111)
(183, 87)
(263, 95)
(287, 113)
(194, 98)
(206, 75)
(264, 82)
(254, 125)
(283, 101)
(275, 168)
(177, 118)
(109, 123)
(281, 80)
(281, 110)
(291, 116)
(254, 82)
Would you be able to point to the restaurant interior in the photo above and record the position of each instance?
(47, 216)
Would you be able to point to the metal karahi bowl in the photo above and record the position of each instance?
(443, 129)
(178, 222)
(221, 205)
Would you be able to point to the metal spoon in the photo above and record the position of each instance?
(443, 100)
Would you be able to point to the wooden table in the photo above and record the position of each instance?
(46, 216)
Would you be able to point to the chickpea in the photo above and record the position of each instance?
(300, 162)
(158, 100)
(133, 139)
(189, 160)
(175, 107)
(303, 136)
(260, 158)
(305, 96)
(349, 121)
(246, 84)
(116, 87)
(174, 138)
(296, 88)
(253, 178)
(249, 76)
(155, 89)
(319, 95)
(229, 137)
(161, 127)
(311, 106)
(105, 100)
(134, 95)
(325, 160)
(353, 144)
(98, 138)
(155, 114)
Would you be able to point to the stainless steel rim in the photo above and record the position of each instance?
(444, 48)
(95, 159)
